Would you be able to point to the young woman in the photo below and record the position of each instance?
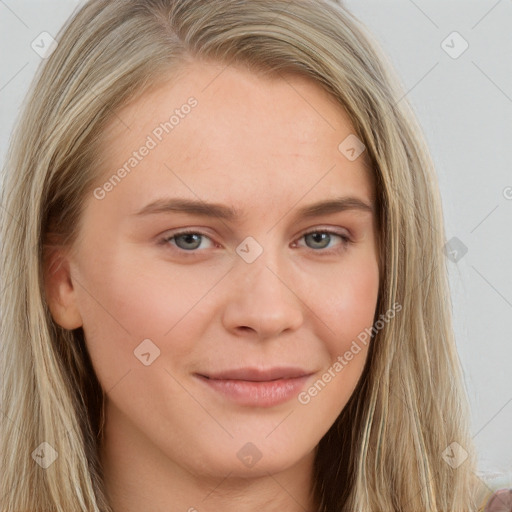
(224, 280)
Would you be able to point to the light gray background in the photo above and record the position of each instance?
(464, 105)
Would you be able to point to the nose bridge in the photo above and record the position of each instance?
(262, 299)
(262, 265)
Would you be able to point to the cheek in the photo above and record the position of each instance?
(123, 302)
(348, 305)
(348, 309)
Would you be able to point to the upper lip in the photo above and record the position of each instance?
(259, 374)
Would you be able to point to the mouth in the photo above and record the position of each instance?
(258, 375)
(253, 387)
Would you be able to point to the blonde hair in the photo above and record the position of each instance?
(385, 450)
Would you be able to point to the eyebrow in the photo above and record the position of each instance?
(205, 209)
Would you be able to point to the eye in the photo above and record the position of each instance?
(320, 239)
(186, 240)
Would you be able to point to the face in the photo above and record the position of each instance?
(187, 331)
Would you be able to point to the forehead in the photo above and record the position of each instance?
(278, 136)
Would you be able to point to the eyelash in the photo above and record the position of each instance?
(345, 241)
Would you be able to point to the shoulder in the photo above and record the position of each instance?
(494, 492)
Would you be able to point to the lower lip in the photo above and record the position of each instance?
(257, 394)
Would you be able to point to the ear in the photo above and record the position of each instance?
(60, 291)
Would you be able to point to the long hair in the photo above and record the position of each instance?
(391, 447)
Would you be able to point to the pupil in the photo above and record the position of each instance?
(188, 238)
(317, 237)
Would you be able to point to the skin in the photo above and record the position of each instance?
(266, 147)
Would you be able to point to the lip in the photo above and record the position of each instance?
(259, 374)
(258, 387)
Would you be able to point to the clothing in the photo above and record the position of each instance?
(495, 492)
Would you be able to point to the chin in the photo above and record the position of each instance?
(248, 460)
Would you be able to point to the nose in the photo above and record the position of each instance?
(261, 299)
